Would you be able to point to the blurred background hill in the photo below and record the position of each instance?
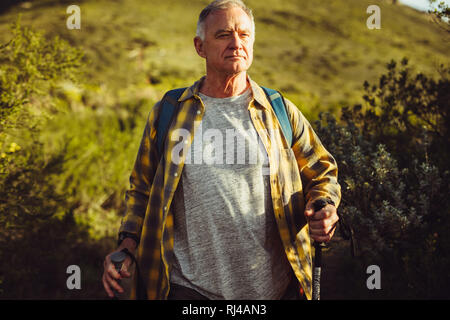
(74, 105)
(317, 54)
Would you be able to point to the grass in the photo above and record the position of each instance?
(317, 54)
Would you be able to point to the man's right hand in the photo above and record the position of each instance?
(110, 274)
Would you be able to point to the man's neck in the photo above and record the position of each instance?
(224, 86)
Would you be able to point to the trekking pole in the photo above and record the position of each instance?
(117, 259)
(317, 205)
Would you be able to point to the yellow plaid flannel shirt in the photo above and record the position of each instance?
(298, 174)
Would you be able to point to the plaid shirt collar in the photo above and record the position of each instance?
(258, 93)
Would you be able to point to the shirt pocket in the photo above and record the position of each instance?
(289, 176)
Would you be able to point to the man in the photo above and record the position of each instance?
(207, 228)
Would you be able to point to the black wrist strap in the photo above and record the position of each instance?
(124, 235)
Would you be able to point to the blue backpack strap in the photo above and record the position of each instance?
(277, 102)
(169, 103)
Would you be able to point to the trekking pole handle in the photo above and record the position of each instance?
(117, 258)
(317, 206)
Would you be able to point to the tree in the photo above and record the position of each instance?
(441, 14)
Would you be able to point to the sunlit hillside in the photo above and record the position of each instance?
(317, 53)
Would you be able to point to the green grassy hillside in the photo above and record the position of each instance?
(317, 53)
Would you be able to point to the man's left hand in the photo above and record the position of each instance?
(322, 223)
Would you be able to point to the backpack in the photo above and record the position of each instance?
(170, 103)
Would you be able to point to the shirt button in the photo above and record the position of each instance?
(198, 112)
(176, 174)
(165, 208)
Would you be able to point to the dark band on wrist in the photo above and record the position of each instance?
(123, 235)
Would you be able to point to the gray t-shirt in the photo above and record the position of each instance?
(226, 242)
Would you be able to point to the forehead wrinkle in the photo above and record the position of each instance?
(235, 23)
(231, 29)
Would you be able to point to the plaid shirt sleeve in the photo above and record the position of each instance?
(141, 179)
(317, 167)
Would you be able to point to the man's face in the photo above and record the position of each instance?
(228, 44)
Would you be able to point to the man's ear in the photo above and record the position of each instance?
(198, 43)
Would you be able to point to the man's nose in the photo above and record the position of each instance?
(235, 41)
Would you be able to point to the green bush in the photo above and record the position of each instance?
(40, 236)
(31, 66)
(392, 156)
(66, 149)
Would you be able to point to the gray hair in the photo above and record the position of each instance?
(220, 5)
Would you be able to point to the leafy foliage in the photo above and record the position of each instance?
(30, 65)
(37, 221)
(393, 157)
(66, 150)
(441, 14)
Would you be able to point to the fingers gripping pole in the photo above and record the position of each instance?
(117, 258)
